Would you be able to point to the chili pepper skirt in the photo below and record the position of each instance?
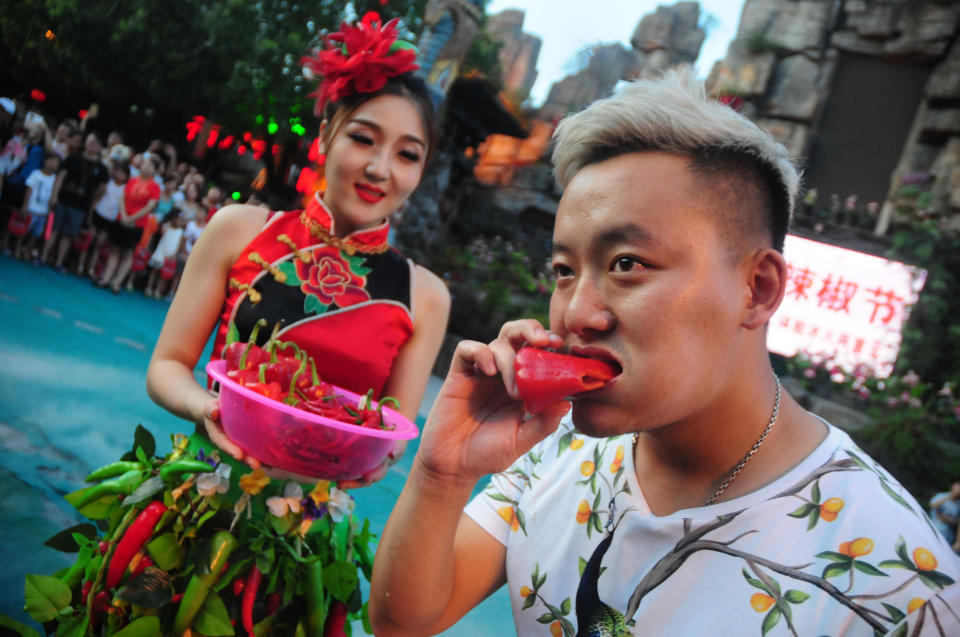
(229, 549)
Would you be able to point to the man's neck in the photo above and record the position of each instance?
(683, 464)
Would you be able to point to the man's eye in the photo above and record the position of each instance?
(626, 264)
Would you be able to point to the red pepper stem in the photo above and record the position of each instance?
(250, 342)
(314, 376)
(296, 375)
(263, 373)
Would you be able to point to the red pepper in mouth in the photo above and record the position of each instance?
(544, 377)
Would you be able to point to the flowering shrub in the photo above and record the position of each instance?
(916, 424)
(493, 281)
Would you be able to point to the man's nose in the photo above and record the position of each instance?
(587, 309)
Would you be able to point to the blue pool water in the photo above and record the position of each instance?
(73, 360)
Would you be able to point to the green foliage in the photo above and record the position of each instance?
(229, 60)
(758, 42)
(492, 281)
(483, 57)
(916, 424)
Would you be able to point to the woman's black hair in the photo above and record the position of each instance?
(407, 85)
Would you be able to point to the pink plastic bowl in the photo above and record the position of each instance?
(295, 440)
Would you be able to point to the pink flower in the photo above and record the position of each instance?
(810, 372)
(911, 378)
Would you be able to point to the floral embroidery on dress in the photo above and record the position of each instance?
(329, 277)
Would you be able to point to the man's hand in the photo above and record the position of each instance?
(477, 424)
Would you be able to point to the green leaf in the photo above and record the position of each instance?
(771, 620)
(313, 305)
(859, 462)
(149, 488)
(529, 601)
(499, 497)
(65, 540)
(815, 492)
(521, 519)
(596, 502)
(581, 565)
(814, 518)
(935, 579)
(21, 629)
(233, 334)
(596, 522)
(564, 442)
(895, 613)
(796, 597)
(901, 630)
(165, 551)
(45, 597)
(213, 619)
(339, 579)
(755, 582)
(802, 511)
(901, 548)
(144, 439)
(546, 618)
(832, 570)
(869, 569)
(833, 556)
(289, 268)
(565, 607)
(536, 574)
(265, 560)
(142, 457)
(896, 496)
(96, 510)
(896, 564)
(75, 626)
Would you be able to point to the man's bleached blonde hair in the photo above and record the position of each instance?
(672, 114)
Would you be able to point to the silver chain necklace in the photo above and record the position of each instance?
(753, 450)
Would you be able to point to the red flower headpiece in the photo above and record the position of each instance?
(360, 59)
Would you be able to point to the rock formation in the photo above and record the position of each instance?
(518, 53)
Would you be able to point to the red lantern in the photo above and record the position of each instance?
(226, 142)
(37, 95)
(213, 135)
(194, 126)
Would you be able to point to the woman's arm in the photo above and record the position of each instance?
(411, 370)
(143, 211)
(192, 317)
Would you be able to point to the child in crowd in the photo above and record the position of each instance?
(37, 204)
(164, 259)
(108, 203)
(191, 233)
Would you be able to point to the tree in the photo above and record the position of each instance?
(153, 64)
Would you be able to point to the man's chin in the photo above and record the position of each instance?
(596, 420)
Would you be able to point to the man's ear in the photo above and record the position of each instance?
(767, 281)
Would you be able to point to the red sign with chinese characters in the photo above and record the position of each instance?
(844, 305)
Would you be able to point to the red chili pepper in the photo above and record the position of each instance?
(132, 541)
(336, 620)
(273, 603)
(144, 563)
(249, 596)
(270, 390)
(545, 377)
(240, 355)
(237, 587)
(85, 591)
(244, 376)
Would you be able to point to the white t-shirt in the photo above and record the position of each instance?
(109, 205)
(41, 187)
(191, 233)
(834, 547)
(168, 245)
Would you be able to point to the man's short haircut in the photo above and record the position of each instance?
(749, 173)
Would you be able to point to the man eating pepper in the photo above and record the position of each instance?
(690, 494)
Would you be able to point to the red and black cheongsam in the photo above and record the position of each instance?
(347, 301)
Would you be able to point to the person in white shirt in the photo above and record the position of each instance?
(37, 203)
(108, 203)
(690, 495)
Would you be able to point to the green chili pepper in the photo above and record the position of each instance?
(124, 484)
(366, 560)
(112, 470)
(313, 595)
(222, 544)
(75, 573)
(184, 465)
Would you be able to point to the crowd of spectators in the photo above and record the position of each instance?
(75, 201)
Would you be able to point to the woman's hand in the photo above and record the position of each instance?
(478, 425)
(211, 423)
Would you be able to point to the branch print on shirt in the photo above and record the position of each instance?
(329, 277)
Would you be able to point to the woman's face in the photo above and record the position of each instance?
(374, 162)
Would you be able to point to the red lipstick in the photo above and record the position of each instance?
(369, 193)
